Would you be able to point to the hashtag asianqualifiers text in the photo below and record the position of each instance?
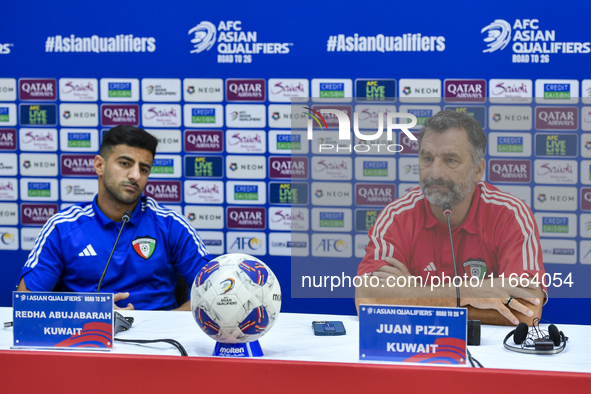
(118, 43)
(380, 43)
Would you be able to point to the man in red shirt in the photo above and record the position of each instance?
(494, 235)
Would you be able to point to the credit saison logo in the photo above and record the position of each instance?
(530, 42)
(38, 189)
(246, 192)
(555, 225)
(344, 129)
(232, 40)
(97, 44)
(289, 141)
(510, 144)
(78, 140)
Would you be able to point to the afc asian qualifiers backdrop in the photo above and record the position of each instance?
(69, 71)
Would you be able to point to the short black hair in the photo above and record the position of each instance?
(130, 136)
(448, 119)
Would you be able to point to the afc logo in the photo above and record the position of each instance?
(332, 244)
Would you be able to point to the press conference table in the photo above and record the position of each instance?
(295, 361)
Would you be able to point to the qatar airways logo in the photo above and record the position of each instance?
(37, 89)
(77, 165)
(114, 115)
(164, 191)
(510, 171)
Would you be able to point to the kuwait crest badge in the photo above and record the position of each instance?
(144, 246)
(475, 267)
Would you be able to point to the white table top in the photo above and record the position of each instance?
(291, 338)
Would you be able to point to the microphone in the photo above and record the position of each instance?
(126, 218)
(473, 325)
(447, 212)
(121, 323)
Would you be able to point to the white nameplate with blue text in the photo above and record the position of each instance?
(63, 320)
(414, 334)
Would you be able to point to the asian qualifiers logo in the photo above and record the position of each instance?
(499, 35)
(204, 36)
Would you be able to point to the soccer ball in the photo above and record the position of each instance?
(235, 298)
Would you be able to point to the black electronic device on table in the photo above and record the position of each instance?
(326, 328)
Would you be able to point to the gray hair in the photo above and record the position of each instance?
(448, 119)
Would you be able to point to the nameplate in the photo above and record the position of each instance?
(63, 320)
(412, 334)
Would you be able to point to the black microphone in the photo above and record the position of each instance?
(473, 325)
(121, 323)
(126, 218)
(447, 212)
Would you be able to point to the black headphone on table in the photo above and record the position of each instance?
(543, 342)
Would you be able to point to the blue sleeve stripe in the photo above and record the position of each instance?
(70, 215)
(153, 205)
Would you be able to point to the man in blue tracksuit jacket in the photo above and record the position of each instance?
(74, 245)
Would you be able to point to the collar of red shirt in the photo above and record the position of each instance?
(469, 223)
